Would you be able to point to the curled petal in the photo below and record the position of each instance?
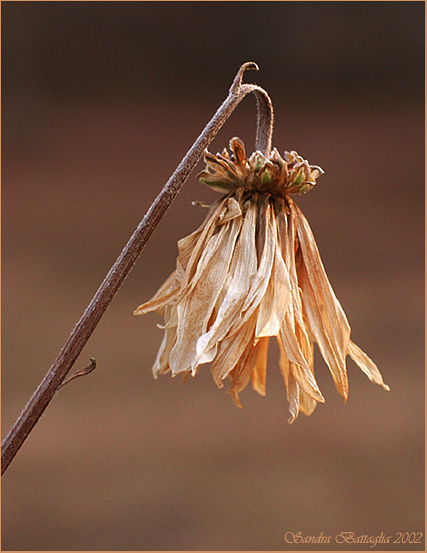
(238, 148)
(218, 212)
(366, 364)
(275, 302)
(195, 307)
(252, 359)
(164, 295)
(231, 349)
(299, 366)
(242, 269)
(306, 403)
(292, 387)
(326, 319)
(161, 364)
(259, 372)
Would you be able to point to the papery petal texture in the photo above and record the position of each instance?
(250, 272)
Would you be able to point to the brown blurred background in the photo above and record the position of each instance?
(100, 103)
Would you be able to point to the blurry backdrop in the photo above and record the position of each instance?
(100, 103)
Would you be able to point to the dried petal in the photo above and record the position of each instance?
(259, 372)
(195, 308)
(231, 349)
(164, 295)
(252, 359)
(242, 269)
(275, 302)
(366, 364)
(326, 319)
(300, 368)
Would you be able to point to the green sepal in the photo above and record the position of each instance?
(298, 180)
(266, 178)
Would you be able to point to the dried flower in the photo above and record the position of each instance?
(252, 271)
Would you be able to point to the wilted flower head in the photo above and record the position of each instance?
(273, 174)
(250, 272)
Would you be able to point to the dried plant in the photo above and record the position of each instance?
(245, 215)
(250, 272)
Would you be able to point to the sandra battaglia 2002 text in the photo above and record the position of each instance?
(352, 537)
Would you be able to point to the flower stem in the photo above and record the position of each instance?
(118, 272)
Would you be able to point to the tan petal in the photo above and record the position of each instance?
(235, 395)
(294, 393)
(260, 280)
(288, 241)
(233, 210)
(217, 212)
(164, 295)
(259, 371)
(275, 302)
(195, 306)
(242, 269)
(189, 248)
(254, 358)
(292, 387)
(257, 287)
(186, 246)
(266, 249)
(326, 319)
(241, 374)
(231, 349)
(300, 367)
(298, 399)
(306, 403)
(366, 364)
(161, 364)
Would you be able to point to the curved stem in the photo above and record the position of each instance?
(264, 128)
(118, 272)
(265, 114)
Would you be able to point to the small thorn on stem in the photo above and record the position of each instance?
(83, 372)
(200, 203)
(237, 83)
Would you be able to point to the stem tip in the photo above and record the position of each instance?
(239, 76)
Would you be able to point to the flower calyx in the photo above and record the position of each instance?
(271, 174)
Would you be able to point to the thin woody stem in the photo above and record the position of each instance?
(118, 272)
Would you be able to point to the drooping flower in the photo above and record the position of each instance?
(250, 272)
